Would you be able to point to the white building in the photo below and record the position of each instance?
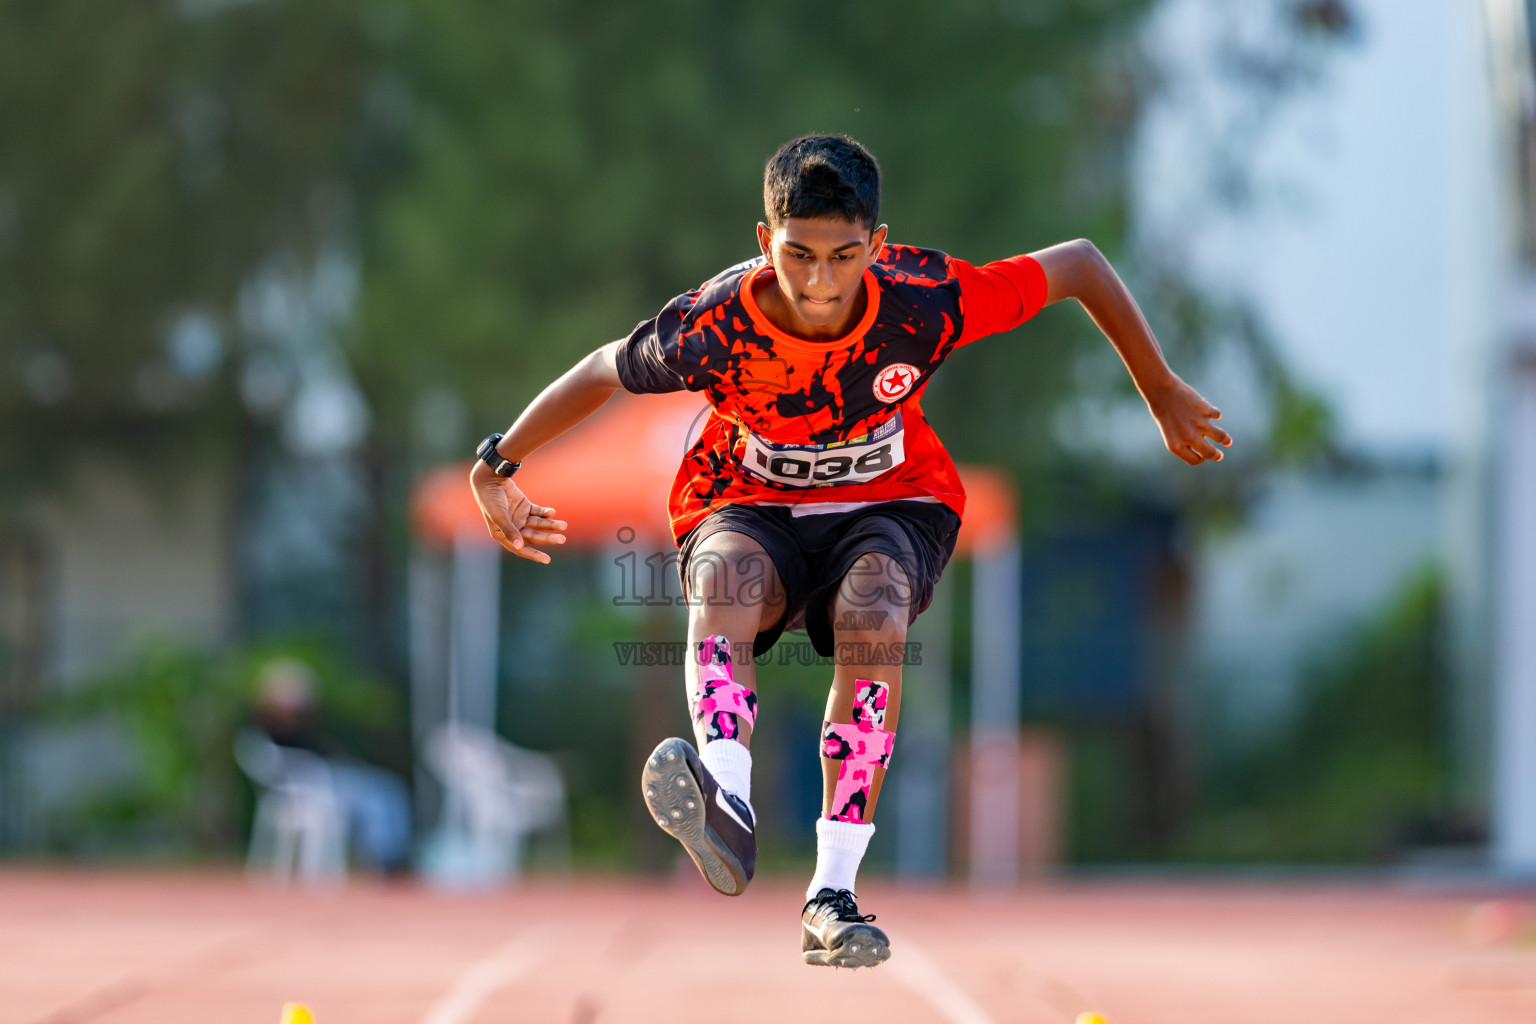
(1375, 244)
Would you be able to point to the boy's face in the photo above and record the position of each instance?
(819, 265)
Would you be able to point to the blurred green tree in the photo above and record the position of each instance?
(155, 154)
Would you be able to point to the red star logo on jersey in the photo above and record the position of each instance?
(894, 381)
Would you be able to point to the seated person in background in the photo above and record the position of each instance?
(376, 803)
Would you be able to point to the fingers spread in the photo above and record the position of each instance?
(543, 537)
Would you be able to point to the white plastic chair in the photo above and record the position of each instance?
(495, 795)
(300, 823)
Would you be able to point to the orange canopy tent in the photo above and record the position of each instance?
(614, 471)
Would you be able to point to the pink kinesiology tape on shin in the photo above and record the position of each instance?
(862, 745)
(717, 700)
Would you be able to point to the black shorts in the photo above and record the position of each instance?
(813, 553)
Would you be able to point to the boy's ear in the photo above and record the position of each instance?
(877, 241)
(765, 240)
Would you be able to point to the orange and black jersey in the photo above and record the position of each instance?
(797, 422)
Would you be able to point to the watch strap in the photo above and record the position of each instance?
(488, 454)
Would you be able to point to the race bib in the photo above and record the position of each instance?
(854, 461)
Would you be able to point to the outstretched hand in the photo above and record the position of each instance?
(1185, 420)
(514, 522)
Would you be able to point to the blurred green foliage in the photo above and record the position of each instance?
(1362, 770)
(155, 155)
(181, 710)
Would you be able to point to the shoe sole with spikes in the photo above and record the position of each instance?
(861, 947)
(679, 791)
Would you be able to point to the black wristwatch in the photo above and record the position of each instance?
(487, 454)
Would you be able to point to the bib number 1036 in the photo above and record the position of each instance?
(821, 465)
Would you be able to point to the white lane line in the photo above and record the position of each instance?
(484, 978)
(917, 971)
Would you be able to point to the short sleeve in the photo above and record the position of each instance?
(999, 296)
(649, 361)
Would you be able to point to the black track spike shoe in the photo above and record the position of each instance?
(715, 827)
(834, 934)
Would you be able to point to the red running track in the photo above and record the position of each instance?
(210, 949)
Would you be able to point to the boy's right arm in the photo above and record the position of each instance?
(513, 521)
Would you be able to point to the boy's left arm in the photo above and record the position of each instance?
(1077, 270)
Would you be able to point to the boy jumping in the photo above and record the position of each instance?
(817, 495)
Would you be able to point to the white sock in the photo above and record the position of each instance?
(731, 765)
(840, 846)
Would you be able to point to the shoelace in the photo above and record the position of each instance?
(844, 907)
